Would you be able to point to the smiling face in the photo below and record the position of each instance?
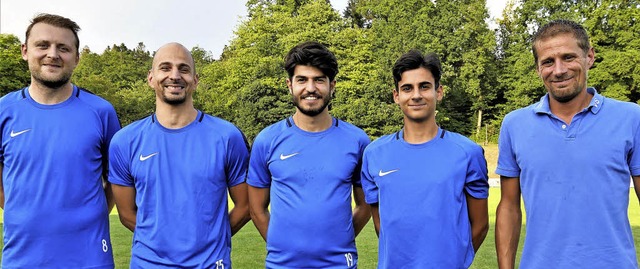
(310, 90)
(563, 65)
(417, 95)
(172, 75)
(51, 55)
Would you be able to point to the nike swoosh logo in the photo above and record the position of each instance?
(14, 134)
(284, 157)
(387, 172)
(143, 158)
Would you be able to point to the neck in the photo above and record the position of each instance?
(316, 123)
(175, 117)
(420, 132)
(566, 111)
(49, 96)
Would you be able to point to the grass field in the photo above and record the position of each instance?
(249, 248)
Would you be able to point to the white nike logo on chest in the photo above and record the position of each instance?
(143, 158)
(14, 134)
(284, 157)
(387, 172)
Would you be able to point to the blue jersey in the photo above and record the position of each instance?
(54, 156)
(574, 181)
(311, 175)
(181, 178)
(420, 190)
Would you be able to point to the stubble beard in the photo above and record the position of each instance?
(326, 100)
(58, 83)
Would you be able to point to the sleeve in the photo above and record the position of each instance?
(119, 162)
(477, 181)
(237, 158)
(368, 182)
(259, 175)
(111, 125)
(634, 153)
(507, 165)
(363, 142)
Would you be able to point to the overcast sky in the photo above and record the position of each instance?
(209, 24)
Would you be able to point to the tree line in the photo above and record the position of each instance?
(486, 72)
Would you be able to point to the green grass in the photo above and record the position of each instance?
(249, 248)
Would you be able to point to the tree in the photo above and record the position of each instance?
(247, 85)
(14, 72)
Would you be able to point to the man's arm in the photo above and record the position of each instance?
(375, 215)
(508, 222)
(479, 218)
(259, 207)
(361, 211)
(239, 215)
(125, 198)
(1, 187)
(108, 193)
(636, 186)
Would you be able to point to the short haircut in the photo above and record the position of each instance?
(312, 54)
(558, 27)
(57, 21)
(414, 59)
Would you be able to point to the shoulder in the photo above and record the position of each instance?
(521, 113)
(135, 128)
(94, 101)
(353, 131)
(11, 98)
(464, 143)
(272, 131)
(381, 142)
(631, 109)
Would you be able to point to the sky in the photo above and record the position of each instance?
(209, 24)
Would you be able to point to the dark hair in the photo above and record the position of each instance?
(414, 60)
(557, 27)
(57, 21)
(312, 54)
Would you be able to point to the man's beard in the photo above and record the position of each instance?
(52, 83)
(312, 112)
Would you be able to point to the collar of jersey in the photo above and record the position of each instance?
(594, 106)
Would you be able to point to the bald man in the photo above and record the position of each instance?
(171, 171)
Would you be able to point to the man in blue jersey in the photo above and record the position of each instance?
(427, 187)
(53, 159)
(571, 157)
(171, 171)
(306, 167)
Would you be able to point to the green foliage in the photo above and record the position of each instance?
(14, 72)
(119, 75)
(486, 73)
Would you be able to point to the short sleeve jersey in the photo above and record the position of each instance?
(421, 192)
(310, 176)
(54, 157)
(575, 182)
(181, 178)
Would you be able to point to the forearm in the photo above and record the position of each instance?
(261, 221)
(508, 223)
(108, 193)
(238, 217)
(128, 221)
(478, 234)
(361, 215)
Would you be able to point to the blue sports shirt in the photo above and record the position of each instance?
(181, 178)
(310, 176)
(575, 182)
(421, 194)
(54, 157)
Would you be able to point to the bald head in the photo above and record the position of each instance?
(171, 51)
